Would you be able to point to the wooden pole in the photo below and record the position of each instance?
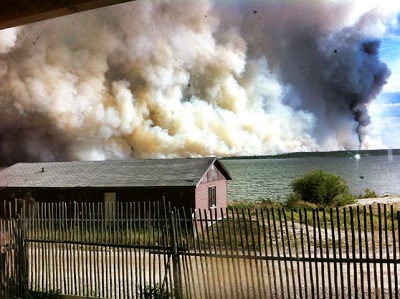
(21, 261)
(175, 257)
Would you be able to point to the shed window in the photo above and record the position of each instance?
(212, 196)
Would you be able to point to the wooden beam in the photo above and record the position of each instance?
(20, 12)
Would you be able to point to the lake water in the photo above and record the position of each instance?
(255, 179)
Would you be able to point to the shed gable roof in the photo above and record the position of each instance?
(118, 173)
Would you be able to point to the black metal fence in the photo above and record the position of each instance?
(148, 250)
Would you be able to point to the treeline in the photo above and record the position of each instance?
(347, 153)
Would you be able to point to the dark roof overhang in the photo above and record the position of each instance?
(20, 12)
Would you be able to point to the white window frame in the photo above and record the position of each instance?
(212, 196)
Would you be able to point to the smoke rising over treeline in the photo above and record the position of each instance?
(157, 79)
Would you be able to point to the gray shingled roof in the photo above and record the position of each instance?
(119, 173)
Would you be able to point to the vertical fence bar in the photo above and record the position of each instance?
(327, 253)
(241, 244)
(335, 270)
(360, 250)
(303, 252)
(248, 234)
(371, 218)
(35, 245)
(66, 249)
(97, 224)
(175, 257)
(197, 249)
(45, 268)
(165, 241)
(353, 252)
(244, 245)
(4, 281)
(54, 247)
(146, 259)
(304, 264)
(271, 243)
(139, 240)
(154, 243)
(210, 264)
(367, 250)
(296, 251)
(292, 291)
(75, 237)
(80, 249)
(138, 288)
(395, 248)
(215, 238)
(228, 247)
(278, 252)
(282, 235)
(346, 240)
(267, 262)
(219, 216)
(380, 250)
(315, 252)
(130, 264)
(261, 282)
(203, 249)
(235, 250)
(398, 246)
(389, 276)
(41, 249)
(309, 254)
(321, 254)
(5, 253)
(340, 253)
(189, 276)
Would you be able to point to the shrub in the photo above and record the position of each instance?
(368, 193)
(294, 202)
(156, 291)
(322, 188)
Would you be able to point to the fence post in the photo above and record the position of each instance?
(20, 260)
(175, 257)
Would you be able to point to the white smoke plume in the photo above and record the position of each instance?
(156, 79)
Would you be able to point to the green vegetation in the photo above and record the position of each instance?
(368, 193)
(156, 291)
(322, 188)
(30, 294)
(251, 204)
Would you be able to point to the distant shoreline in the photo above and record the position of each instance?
(347, 153)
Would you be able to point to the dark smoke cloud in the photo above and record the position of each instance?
(330, 68)
(362, 84)
(157, 79)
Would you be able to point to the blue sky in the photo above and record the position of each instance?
(385, 110)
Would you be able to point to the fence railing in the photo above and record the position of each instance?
(140, 250)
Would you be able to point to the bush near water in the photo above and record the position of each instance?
(321, 188)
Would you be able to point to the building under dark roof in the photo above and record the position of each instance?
(198, 183)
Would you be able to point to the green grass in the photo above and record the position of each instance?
(368, 193)
(305, 212)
